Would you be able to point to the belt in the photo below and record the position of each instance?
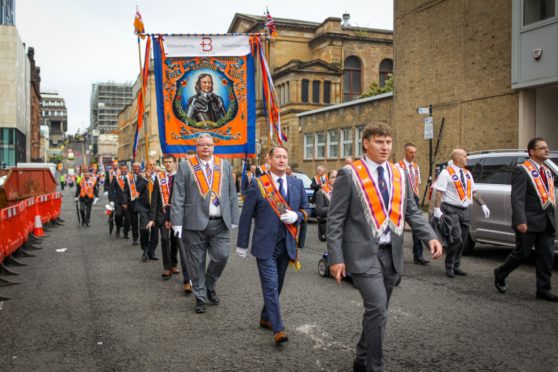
(455, 206)
(215, 217)
(385, 246)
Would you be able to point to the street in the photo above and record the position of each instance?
(96, 307)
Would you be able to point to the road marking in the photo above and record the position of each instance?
(61, 250)
(322, 339)
(1, 305)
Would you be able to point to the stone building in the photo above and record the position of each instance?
(35, 97)
(55, 116)
(316, 65)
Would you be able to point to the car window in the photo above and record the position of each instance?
(306, 182)
(497, 170)
(475, 167)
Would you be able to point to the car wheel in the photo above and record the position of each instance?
(322, 268)
(468, 245)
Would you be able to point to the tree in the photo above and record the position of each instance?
(374, 89)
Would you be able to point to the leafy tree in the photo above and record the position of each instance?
(374, 89)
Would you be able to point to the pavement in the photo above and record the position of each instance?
(96, 307)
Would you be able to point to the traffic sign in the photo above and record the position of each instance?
(428, 128)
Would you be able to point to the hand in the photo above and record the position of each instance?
(105, 193)
(168, 225)
(337, 271)
(241, 252)
(76, 199)
(438, 213)
(111, 204)
(125, 206)
(522, 228)
(233, 226)
(435, 248)
(486, 211)
(177, 231)
(289, 217)
(95, 201)
(149, 225)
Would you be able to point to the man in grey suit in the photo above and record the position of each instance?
(204, 210)
(370, 203)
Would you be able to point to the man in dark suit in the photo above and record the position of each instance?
(533, 203)
(366, 238)
(138, 208)
(87, 192)
(248, 179)
(318, 181)
(118, 198)
(278, 204)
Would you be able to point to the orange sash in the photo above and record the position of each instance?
(413, 178)
(327, 189)
(201, 179)
(133, 190)
(459, 186)
(87, 187)
(164, 187)
(121, 183)
(319, 180)
(546, 196)
(378, 215)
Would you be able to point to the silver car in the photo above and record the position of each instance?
(492, 172)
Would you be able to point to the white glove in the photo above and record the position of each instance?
(241, 252)
(177, 231)
(95, 201)
(76, 199)
(234, 226)
(438, 213)
(486, 211)
(111, 204)
(289, 217)
(105, 193)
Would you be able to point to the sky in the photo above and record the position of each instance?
(81, 42)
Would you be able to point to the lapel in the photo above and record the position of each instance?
(290, 190)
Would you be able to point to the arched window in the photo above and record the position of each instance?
(386, 69)
(352, 78)
(305, 86)
(316, 91)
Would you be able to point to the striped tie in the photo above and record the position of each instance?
(208, 173)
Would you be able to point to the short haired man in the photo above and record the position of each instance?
(248, 179)
(138, 210)
(318, 181)
(533, 202)
(323, 197)
(87, 193)
(118, 199)
(455, 192)
(370, 203)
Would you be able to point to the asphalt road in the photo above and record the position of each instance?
(96, 307)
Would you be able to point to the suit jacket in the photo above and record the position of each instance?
(245, 184)
(156, 212)
(190, 210)
(349, 237)
(116, 194)
(314, 186)
(526, 205)
(322, 204)
(265, 235)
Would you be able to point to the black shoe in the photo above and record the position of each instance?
(450, 273)
(500, 283)
(547, 296)
(117, 234)
(144, 258)
(153, 258)
(200, 306)
(212, 297)
(357, 367)
(126, 236)
(135, 242)
(421, 261)
(459, 272)
(87, 224)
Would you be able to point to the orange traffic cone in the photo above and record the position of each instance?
(38, 230)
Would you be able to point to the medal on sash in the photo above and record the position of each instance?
(463, 194)
(207, 186)
(546, 195)
(164, 187)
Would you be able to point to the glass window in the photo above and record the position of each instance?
(315, 91)
(351, 78)
(320, 145)
(475, 167)
(309, 146)
(347, 142)
(359, 130)
(386, 69)
(332, 144)
(327, 91)
(497, 170)
(304, 93)
(537, 10)
(288, 93)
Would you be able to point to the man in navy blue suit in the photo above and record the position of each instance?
(278, 204)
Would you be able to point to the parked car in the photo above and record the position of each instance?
(309, 192)
(492, 172)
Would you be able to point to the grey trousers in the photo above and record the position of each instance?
(214, 242)
(375, 287)
(460, 221)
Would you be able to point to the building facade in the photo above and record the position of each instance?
(107, 101)
(107, 148)
(55, 116)
(7, 12)
(35, 98)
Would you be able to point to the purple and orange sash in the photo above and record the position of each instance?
(121, 183)
(459, 186)
(87, 187)
(201, 179)
(327, 189)
(546, 195)
(378, 215)
(164, 187)
(413, 177)
(133, 190)
(319, 180)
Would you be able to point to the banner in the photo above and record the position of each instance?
(199, 91)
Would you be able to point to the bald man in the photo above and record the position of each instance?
(455, 191)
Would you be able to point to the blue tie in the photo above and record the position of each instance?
(281, 189)
(463, 180)
(383, 187)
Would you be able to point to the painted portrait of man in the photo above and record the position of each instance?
(205, 105)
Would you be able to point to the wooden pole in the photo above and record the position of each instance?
(143, 83)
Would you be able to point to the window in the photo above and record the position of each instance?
(475, 167)
(327, 91)
(288, 93)
(309, 146)
(347, 142)
(351, 79)
(497, 170)
(537, 10)
(315, 91)
(386, 69)
(359, 130)
(320, 145)
(304, 93)
(332, 144)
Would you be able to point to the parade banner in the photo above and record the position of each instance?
(205, 84)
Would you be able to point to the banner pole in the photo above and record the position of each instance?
(143, 99)
(268, 104)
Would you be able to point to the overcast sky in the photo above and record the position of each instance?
(80, 42)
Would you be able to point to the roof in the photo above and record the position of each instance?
(346, 104)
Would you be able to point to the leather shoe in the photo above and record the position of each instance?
(200, 306)
(117, 234)
(166, 274)
(187, 287)
(358, 367)
(421, 261)
(212, 297)
(450, 273)
(135, 242)
(266, 324)
(280, 337)
(153, 258)
(174, 270)
(126, 237)
(143, 257)
(547, 296)
(500, 284)
(459, 272)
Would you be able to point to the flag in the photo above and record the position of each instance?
(139, 28)
(270, 25)
(141, 103)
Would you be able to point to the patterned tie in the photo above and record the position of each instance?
(543, 176)
(208, 173)
(463, 180)
(281, 188)
(383, 186)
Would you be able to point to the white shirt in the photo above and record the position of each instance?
(415, 168)
(445, 184)
(214, 211)
(276, 181)
(385, 238)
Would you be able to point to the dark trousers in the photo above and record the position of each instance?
(134, 222)
(183, 257)
(460, 221)
(153, 241)
(85, 205)
(417, 244)
(122, 219)
(169, 247)
(375, 287)
(544, 248)
(272, 275)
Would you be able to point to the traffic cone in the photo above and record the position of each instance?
(38, 230)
